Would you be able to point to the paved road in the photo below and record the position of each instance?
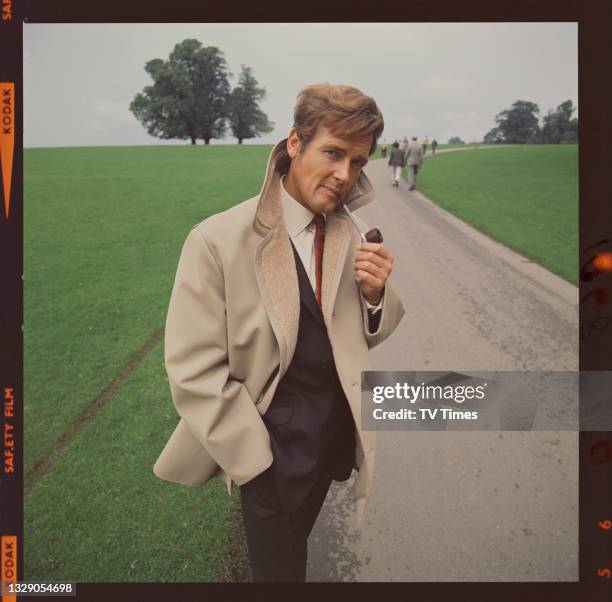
(461, 506)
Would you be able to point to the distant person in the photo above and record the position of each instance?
(434, 146)
(403, 144)
(414, 159)
(397, 162)
(383, 149)
(424, 144)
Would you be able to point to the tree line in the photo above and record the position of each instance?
(191, 97)
(520, 124)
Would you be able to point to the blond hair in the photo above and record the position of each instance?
(345, 110)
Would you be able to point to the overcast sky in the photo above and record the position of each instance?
(434, 79)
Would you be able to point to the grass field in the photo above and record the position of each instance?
(525, 197)
(103, 232)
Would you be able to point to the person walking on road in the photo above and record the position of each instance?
(424, 144)
(414, 159)
(434, 146)
(397, 162)
(383, 149)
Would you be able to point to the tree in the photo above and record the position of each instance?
(519, 124)
(559, 126)
(214, 94)
(493, 136)
(246, 119)
(456, 140)
(189, 95)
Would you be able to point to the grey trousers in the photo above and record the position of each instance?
(412, 174)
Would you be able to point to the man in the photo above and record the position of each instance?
(434, 146)
(414, 159)
(397, 162)
(424, 144)
(383, 149)
(275, 304)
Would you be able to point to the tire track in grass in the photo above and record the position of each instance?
(35, 473)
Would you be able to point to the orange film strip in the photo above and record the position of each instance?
(7, 139)
(8, 558)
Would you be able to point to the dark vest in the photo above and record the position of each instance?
(309, 419)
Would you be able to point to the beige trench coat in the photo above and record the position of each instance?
(231, 332)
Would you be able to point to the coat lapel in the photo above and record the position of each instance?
(278, 286)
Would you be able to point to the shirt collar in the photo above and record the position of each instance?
(297, 217)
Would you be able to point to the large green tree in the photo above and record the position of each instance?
(559, 126)
(189, 95)
(519, 124)
(246, 118)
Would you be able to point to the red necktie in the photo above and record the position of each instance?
(319, 242)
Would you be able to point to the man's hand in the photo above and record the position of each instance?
(373, 264)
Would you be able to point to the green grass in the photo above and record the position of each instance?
(103, 232)
(101, 515)
(525, 197)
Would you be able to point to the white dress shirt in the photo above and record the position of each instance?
(298, 220)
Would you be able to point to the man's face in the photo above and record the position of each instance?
(323, 172)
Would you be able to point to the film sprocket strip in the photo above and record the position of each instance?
(11, 228)
(596, 447)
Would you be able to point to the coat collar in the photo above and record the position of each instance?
(274, 261)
